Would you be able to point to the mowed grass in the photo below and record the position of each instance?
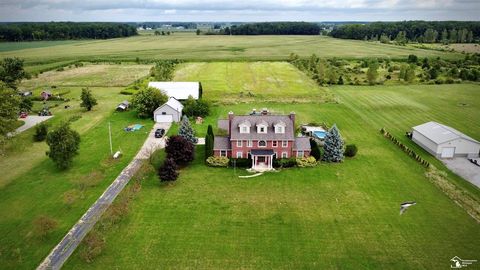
(99, 75)
(333, 216)
(192, 47)
(252, 81)
(31, 186)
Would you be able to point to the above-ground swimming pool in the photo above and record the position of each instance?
(320, 134)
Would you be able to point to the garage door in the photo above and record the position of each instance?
(163, 118)
(448, 152)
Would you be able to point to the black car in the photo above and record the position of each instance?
(159, 133)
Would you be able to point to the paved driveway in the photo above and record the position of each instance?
(70, 242)
(465, 169)
(30, 121)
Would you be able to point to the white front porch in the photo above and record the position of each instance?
(262, 160)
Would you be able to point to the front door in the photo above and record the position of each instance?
(261, 159)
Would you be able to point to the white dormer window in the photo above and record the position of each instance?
(244, 127)
(262, 127)
(279, 127)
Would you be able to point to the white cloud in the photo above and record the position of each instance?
(234, 10)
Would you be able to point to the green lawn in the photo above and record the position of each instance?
(192, 47)
(233, 82)
(31, 186)
(334, 216)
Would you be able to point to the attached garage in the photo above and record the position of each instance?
(171, 111)
(444, 141)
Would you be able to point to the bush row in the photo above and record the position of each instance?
(405, 148)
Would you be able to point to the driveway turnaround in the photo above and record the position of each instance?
(69, 243)
(30, 121)
(463, 167)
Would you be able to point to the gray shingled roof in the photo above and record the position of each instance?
(222, 124)
(256, 119)
(439, 133)
(302, 144)
(221, 143)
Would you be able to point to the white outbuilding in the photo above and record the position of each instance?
(171, 111)
(444, 141)
(179, 90)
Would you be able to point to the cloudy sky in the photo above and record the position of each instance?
(238, 10)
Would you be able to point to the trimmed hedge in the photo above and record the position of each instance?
(284, 162)
(405, 148)
(241, 162)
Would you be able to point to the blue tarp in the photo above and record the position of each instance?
(133, 127)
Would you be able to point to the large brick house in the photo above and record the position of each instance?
(260, 136)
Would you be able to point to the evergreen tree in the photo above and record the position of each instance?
(168, 171)
(453, 36)
(186, 130)
(403, 71)
(401, 38)
(340, 80)
(88, 101)
(410, 74)
(209, 142)
(444, 36)
(315, 151)
(333, 146)
(372, 72)
(470, 36)
(63, 143)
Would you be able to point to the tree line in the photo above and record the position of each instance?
(64, 31)
(413, 31)
(273, 28)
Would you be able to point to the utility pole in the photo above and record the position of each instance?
(110, 137)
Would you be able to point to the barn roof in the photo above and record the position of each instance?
(178, 90)
(439, 133)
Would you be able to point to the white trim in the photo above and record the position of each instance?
(284, 143)
(261, 145)
(249, 143)
(239, 143)
(284, 154)
(226, 153)
(239, 154)
(300, 151)
(274, 143)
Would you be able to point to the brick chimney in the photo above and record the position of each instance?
(292, 117)
(230, 120)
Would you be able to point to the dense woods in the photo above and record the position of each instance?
(63, 31)
(417, 31)
(274, 28)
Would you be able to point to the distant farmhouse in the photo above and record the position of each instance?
(179, 90)
(444, 141)
(262, 137)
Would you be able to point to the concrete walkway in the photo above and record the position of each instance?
(69, 243)
(30, 121)
(463, 167)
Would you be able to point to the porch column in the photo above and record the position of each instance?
(270, 162)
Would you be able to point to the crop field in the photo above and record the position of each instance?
(252, 81)
(332, 216)
(192, 47)
(89, 75)
(31, 186)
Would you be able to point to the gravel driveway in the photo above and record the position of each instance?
(464, 168)
(30, 121)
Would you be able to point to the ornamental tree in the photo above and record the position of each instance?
(333, 146)
(147, 100)
(168, 171)
(64, 143)
(186, 130)
(179, 149)
(88, 101)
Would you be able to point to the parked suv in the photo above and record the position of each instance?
(159, 133)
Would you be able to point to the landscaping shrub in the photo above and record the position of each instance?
(215, 161)
(284, 162)
(315, 149)
(306, 162)
(41, 131)
(168, 171)
(241, 162)
(43, 225)
(351, 150)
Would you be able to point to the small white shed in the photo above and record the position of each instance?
(171, 111)
(444, 141)
(179, 90)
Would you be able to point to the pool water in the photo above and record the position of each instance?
(320, 134)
